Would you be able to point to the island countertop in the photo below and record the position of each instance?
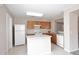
(40, 36)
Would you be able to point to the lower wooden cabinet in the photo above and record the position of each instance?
(53, 37)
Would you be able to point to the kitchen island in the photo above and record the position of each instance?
(38, 44)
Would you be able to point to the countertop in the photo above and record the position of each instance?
(60, 34)
(33, 36)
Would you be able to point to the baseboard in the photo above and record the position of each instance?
(71, 50)
(74, 50)
(66, 50)
(20, 45)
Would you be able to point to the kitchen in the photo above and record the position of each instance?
(49, 27)
(48, 30)
(45, 29)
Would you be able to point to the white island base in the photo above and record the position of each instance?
(38, 45)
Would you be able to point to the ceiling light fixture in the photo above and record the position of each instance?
(34, 14)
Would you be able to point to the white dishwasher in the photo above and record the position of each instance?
(60, 40)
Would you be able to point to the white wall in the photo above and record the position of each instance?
(3, 40)
(78, 31)
(9, 31)
(20, 20)
(70, 31)
(23, 20)
(74, 31)
(53, 26)
(66, 32)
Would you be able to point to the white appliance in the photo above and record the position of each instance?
(19, 34)
(60, 39)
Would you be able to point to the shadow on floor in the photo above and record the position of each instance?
(75, 52)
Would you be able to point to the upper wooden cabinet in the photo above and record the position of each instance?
(44, 24)
(30, 24)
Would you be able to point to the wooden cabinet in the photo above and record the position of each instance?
(44, 24)
(30, 24)
(53, 37)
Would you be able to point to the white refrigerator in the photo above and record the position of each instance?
(19, 34)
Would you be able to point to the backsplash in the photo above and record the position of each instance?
(31, 31)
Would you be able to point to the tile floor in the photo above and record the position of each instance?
(22, 50)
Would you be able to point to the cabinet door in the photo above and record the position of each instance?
(30, 24)
(45, 25)
(54, 39)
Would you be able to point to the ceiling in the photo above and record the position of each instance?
(49, 10)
